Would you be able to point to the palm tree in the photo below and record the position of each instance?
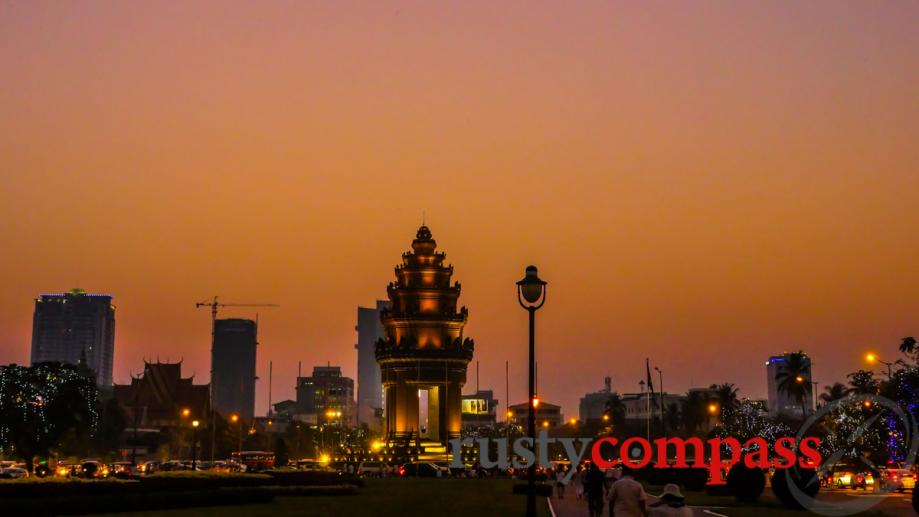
(862, 382)
(694, 412)
(794, 378)
(908, 346)
(835, 392)
(726, 395)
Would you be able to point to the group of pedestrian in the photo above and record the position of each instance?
(621, 494)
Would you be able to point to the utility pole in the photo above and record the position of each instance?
(660, 375)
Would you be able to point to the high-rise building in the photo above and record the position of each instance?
(780, 401)
(326, 397)
(369, 385)
(233, 367)
(75, 328)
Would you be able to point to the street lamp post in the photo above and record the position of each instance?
(194, 443)
(872, 358)
(531, 294)
(239, 428)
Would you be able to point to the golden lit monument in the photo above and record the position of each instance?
(423, 346)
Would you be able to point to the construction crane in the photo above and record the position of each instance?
(215, 304)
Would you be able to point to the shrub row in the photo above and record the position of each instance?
(89, 504)
(168, 482)
(312, 478)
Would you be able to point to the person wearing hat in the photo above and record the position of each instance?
(670, 504)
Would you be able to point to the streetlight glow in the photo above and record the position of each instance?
(195, 423)
(186, 412)
(713, 408)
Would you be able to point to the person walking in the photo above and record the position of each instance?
(670, 504)
(579, 482)
(627, 498)
(593, 490)
(560, 482)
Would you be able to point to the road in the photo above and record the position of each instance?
(888, 505)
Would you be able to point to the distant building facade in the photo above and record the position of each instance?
(593, 405)
(547, 415)
(233, 366)
(641, 406)
(326, 397)
(75, 328)
(369, 383)
(779, 401)
(479, 409)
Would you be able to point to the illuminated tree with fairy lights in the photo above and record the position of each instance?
(40, 405)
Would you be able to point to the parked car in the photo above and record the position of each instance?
(225, 466)
(65, 470)
(422, 469)
(123, 470)
(149, 467)
(93, 469)
(847, 476)
(13, 473)
(313, 466)
(370, 468)
(895, 477)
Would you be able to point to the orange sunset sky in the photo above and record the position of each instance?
(702, 183)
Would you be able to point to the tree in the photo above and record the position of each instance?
(281, 451)
(694, 412)
(835, 392)
(726, 395)
(908, 346)
(862, 382)
(793, 379)
(41, 404)
(615, 409)
(111, 426)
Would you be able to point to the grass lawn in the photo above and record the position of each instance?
(389, 498)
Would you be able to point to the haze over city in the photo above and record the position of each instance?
(697, 186)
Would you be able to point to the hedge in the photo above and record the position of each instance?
(127, 502)
(168, 482)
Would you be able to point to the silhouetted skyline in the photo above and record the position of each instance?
(705, 186)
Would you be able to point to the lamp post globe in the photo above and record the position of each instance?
(531, 289)
(531, 294)
(194, 443)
